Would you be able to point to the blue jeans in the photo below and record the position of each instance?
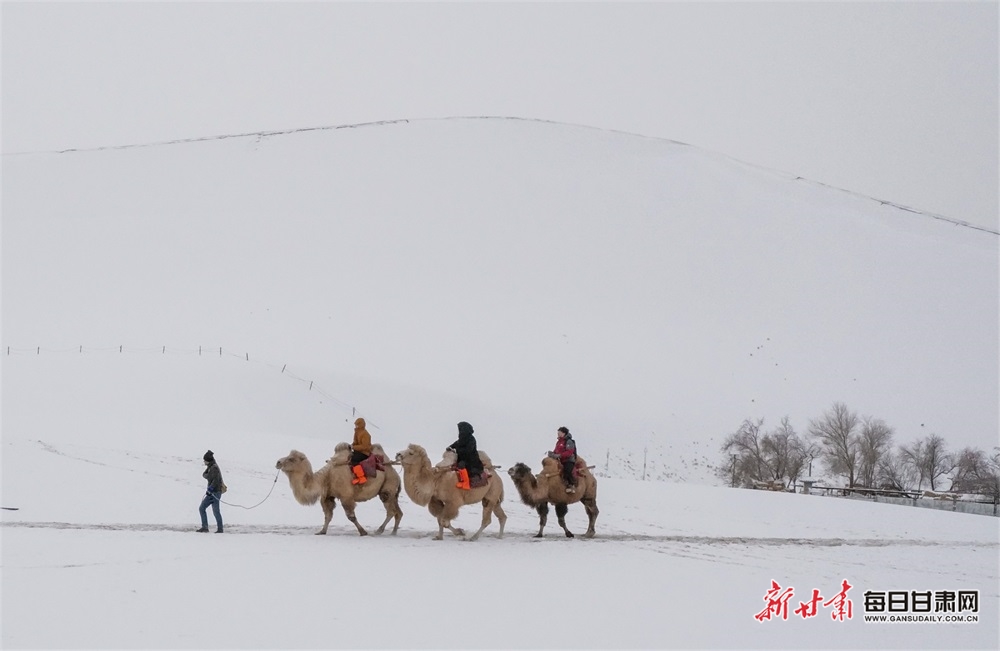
(213, 499)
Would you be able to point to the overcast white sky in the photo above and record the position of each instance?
(894, 100)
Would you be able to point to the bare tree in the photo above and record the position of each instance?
(838, 439)
(874, 443)
(937, 462)
(894, 473)
(912, 458)
(798, 460)
(975, 472)
(745, 445)
(784, 452)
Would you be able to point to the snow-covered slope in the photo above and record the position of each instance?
(647, 294)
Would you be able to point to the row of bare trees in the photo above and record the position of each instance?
(859, 449)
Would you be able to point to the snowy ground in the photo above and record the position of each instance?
(103, 543)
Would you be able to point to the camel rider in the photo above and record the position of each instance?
(361, 449)
(565, 452)
(469, 462)
(213, 493)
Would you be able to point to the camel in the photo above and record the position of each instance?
(538, 490)
(333, 482)
(434, 487)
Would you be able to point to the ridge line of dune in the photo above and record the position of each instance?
(374, 123)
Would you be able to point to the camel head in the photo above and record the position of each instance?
(519, 472)
(294, 461)
(412, 454)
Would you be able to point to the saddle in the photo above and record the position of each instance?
(372, 465)
(475, 481)
(481, 480)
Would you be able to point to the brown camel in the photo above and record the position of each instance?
(333, 482)
(435, 488)
(548, 486)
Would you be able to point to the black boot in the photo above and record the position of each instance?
(203, 530)
(219, 530)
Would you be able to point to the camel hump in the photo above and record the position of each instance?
(485, 458)
(341, 454)
(379, 451)
(448, 459)
(550, 465)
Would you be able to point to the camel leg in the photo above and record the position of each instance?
(501, 518)
(381, 528)
(389, 511)
(328, 505)
(590, 505)
(438, 510)
(440, 535)
(398, 516)
(392, 510)
(543, 517)
(349, 510)
(487, 518)
(443, 524)
(561, 510)
(435, 507)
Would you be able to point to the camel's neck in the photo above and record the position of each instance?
(305, 486)
(418, 481)
(532, 490)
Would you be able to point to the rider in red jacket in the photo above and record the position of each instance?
(565, 452)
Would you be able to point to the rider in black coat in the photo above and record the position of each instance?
(465, 449)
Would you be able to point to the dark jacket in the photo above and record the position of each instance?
(465, 449)
(565, 449)
(214, 477)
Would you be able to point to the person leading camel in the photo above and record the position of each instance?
(213, 493)
(361, 449)
(469, 463)
(565, 452)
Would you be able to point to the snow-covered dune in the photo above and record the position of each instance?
(642, 291)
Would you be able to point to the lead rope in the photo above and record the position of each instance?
(258, 503)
